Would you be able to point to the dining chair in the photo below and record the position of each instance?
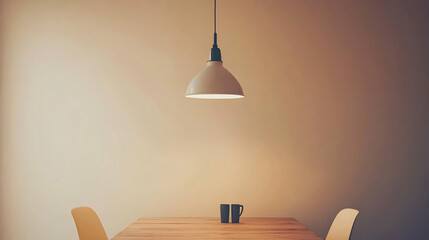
(88, 224)
(342, 226)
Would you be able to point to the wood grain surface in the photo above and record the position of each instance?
(212, 229)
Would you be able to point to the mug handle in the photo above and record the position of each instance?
(242, 209)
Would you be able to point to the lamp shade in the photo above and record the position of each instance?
(214, 82)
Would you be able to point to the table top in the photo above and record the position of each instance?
(211, 229)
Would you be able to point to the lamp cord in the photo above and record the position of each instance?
(214, 16)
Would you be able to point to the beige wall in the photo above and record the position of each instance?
(93, 113)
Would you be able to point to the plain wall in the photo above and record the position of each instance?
(93, 113)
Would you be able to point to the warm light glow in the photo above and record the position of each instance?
(215, 96)
(93, 112)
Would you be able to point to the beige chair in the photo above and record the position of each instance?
(88, 224)
(342, 226)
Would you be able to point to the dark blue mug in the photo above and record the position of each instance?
(224, 213)
(236, 211)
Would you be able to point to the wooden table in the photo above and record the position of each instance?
(212, 229)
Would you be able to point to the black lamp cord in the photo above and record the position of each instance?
(215, 51)
(214, 16)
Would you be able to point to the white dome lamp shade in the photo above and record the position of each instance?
(214, 81)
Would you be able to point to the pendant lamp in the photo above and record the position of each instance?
(214, 81)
